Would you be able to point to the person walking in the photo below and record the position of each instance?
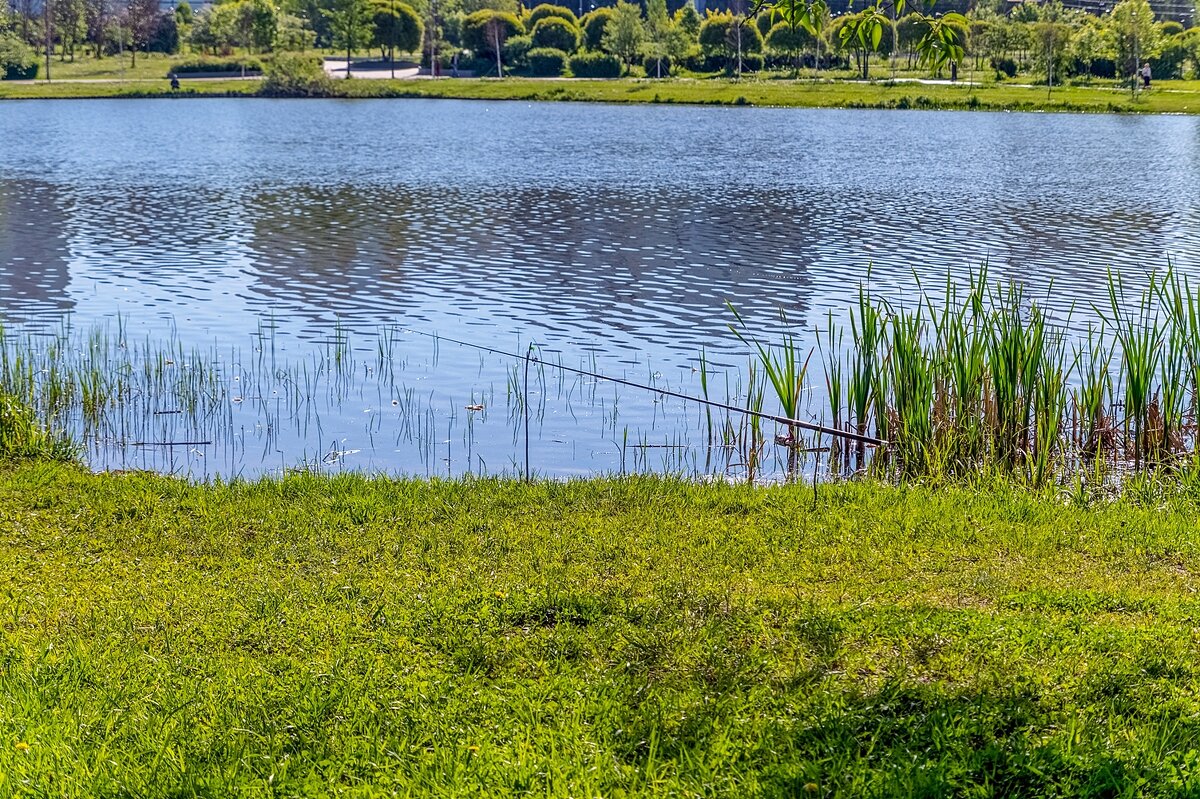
(1146, 75)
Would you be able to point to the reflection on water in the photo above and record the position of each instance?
(608, 233)
(33, 252)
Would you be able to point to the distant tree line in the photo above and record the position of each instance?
(500, 36)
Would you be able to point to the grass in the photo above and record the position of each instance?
(149, 66)
(639, 637)
(1167, 98)
(128, 89)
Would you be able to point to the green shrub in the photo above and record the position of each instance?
(546, 62)
(546, 10)
(751, 62)
(229, 65)
(652, 66)
(516, 52)
(593, 27)
(18, 61)
(477, 33)
(1005, 66)
(555, 33)
(718, 36)
(783, 39)
(595, 65)
(296, 75)
(767, 20)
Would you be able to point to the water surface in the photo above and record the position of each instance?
(610, 236)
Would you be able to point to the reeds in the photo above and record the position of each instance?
(982, 380)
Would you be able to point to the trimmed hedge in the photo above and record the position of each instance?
(555, 33)
(545, 10)
(546, 62)
(595, 65)
(594, 25)
(14, 72)
(216, 65)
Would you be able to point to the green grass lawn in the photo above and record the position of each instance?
(797, 93)
(1167, 97)
(132, 89)
(152, 66)
(639, 637)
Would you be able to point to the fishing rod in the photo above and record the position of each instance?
(810, 426)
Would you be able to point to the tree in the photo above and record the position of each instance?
(1134, 37)
(294, 34)
(623, 36)
(70, 26)
(1089, 44)
(257, 24)
(351, 25)
(486, 31)
(17, 59)
(687, 21)
(811, 16)
(396, 25)
(546, 10)
(1053, 38)
(140, 20)
(594, 25)
(783, 39)
(555, 33)
(99, 18)
(942, 40)
(1190, 39)
(863, 33)
(658, 33)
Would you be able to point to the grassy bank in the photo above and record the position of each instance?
(315, 636)
(128, 89)
(1184, 98)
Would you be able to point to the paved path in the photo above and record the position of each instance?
(372, 71)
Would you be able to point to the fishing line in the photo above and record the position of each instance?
(811, 426)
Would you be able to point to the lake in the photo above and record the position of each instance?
(302, 254)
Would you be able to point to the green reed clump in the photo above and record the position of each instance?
(864, 383)
(784, 370)
(981, 380)
(1139, 338)
(23, 436)
(913, 375)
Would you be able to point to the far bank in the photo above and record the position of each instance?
(1169, 99)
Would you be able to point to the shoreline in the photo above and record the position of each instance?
(882, 95)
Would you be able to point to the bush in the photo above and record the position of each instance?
(546, 62)
(593, 27)
(545, 10)
(17, 59)
(751, 62)
(296, 75)
(783, 39)
(1005, 66)
(767, 20)
(651, 65)
(476, 36)
(555, 33)
(718, 35)
(516, 52)
(595, 65)
(230, 65)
